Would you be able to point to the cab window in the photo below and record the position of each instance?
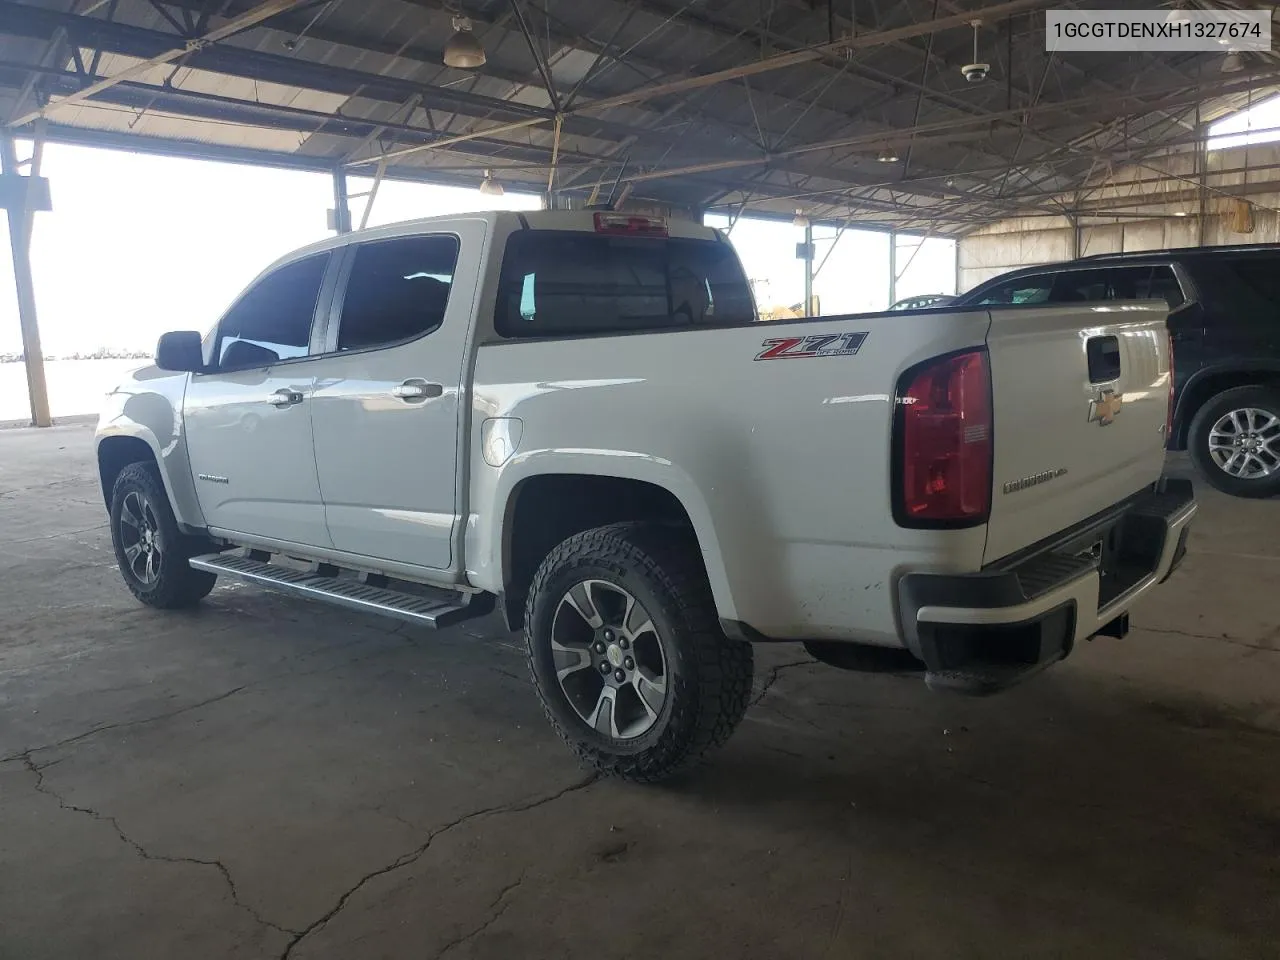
(398, 290)
(272, 320)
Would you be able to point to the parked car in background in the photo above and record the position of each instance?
(1224, 322)
(922, 301)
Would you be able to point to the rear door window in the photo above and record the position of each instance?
(560, 283)
(398, 290)
(272, 320)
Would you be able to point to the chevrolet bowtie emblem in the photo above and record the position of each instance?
(1105, 407)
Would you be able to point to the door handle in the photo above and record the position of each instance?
(417, 389)
(284, 397)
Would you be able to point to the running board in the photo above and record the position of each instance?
(442, 608)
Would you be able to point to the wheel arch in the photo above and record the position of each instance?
(544, 509)
(117, 448)
(1206, 384)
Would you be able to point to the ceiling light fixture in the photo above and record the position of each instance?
(1179, 213)
(491, 187)
(463, 51)
(1232, 63)
(888, 156)
(801, 220)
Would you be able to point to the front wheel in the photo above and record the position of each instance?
(1235, 441)
(150, 549)
(627, 654)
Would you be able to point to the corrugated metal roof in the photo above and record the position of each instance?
(355, 81)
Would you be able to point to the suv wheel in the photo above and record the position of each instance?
(627, 654)
(150, 549)
(1235, 441)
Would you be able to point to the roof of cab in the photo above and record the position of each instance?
(572, 220)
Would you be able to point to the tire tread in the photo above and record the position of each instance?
(670, 559)
(178, 586)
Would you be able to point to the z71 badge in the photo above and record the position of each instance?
(819, 345)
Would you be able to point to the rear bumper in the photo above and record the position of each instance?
(980, 633)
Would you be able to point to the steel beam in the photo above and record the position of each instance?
(341, 208)
(20, 249)
(252, 18)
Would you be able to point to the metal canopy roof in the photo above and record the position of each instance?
(766, 106)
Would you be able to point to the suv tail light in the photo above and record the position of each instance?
(942, 443)
(1168, 419)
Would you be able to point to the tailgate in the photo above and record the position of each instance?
(1080, 396)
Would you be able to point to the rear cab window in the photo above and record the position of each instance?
(566, 283)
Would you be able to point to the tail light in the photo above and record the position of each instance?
(942, 437)
(1168, 419)
(629, 225)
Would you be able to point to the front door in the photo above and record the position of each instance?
(387, 402)
(248, 418)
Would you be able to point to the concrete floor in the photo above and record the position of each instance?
(267, 778)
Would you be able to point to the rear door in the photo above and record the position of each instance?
(1080, 399)
(248, 417)
(388, 398)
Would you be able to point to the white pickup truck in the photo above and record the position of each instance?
(576, 417)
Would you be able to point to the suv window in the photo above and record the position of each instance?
(398, 290)
(1162, 284)
(581, 283)
(1259, 276)
(1108, 283)
(1022, 290)
(272, 320)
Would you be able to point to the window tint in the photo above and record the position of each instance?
(1162, 284)
(272, 321)
(581, 283)
(398, 289)
(1022, 290)
(1257, 277)
(1112, 283)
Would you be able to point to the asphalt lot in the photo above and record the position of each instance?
(264, 778)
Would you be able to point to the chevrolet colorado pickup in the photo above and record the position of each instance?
(577, 418)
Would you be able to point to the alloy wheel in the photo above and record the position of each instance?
(140, 537)
(1245, 443)
(609, 659)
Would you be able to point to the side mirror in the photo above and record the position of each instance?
(182, 350)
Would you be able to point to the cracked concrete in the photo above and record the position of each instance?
(267, 779)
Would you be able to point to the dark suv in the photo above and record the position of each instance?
(1224, 320)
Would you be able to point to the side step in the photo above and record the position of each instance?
(434, 608)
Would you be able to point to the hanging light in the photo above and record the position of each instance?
(888, 156)
(463, 51)
(491, 187)
(1232, 63)
(801, 220)
(1177, 15)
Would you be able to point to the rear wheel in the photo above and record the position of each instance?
(1235, 441)
(150, 549)
(627, 654)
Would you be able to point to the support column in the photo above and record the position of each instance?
(808, 268)
(341, 219)
(20, 247)
(893, 267)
